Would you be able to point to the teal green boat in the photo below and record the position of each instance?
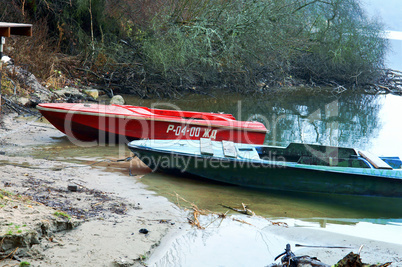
(297, 167)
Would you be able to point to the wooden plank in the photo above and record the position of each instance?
(6, 32)
(229, 149)
(206, 147)
(7, 29)
(375, 161)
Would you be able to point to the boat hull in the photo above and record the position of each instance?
(275, 175)
(104, 125)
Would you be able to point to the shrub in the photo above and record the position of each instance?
(183, 43)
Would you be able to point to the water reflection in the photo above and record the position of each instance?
(302, 116)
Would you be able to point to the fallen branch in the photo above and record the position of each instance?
(221, 216)
(241, 221)
(17, 108)
(245, 210)
(196, 214)
(384, 87)
(11, 255)
(311, 246)
(390, 82)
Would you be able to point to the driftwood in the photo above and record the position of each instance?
(197, 212)
(354, 260)
(245, 210)
(18, 108)
(390, 82)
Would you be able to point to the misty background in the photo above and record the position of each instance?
(389, 13)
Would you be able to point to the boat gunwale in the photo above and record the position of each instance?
(144, 117)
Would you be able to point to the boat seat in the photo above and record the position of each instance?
(229, 149)
(375, 161)
(206, 147)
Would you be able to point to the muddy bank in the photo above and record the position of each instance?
(24, 223)
(110, 223)
(64, 214)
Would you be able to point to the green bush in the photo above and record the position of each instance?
(344, 44)
(185, 43)
(246, 41)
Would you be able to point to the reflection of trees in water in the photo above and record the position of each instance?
(360, 121)
(349, 120)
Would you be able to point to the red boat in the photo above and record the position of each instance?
(123, 123)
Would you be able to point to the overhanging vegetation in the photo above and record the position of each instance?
(144, 46)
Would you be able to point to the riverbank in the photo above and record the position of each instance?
(111, 213)
(108, 210)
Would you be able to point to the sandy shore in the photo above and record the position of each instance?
(108, 210)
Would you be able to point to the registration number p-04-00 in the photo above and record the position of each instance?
(192, 131)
